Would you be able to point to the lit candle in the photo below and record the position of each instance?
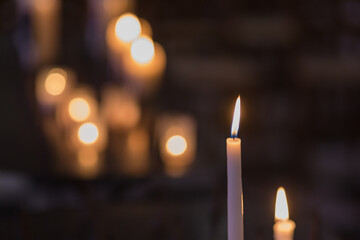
(120, 33)
(79, 106)
(145, 63)
(235, 193)
(89, 134)
(177, 143)
(283, 227)
(53, 85)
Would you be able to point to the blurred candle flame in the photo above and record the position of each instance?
(176, 145)
(142, 50)
(127, 27)
(281, 205)
(79, 109)
(55, 84)
(88, 133)
(236, 119)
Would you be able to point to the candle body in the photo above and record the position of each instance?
(235, 193)
(45, 17)
(284, 230)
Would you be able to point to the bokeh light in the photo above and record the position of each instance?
(176, 145)
(79, 109)
(55, 84)
(142, 50)
(88, 133)
(127, 27)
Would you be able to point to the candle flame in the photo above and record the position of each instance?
(281, 205)
(236, 119)
(88, 133)
(79, 109)
(127, 27)
(55, 84)
(176, 145)
(142, 50)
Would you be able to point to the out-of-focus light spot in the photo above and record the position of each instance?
(55, 84)
(88, 133)
(127, 27)
(142, 50)
(79, 109)
(176, 145)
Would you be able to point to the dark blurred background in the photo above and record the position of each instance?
(295, 65)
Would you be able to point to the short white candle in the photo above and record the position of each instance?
(283, 227)
(235, 193)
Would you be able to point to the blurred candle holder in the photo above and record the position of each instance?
(80, 105)
(53, 85)
(45, 17)
(177, 143)
(119, 108)
(136, 158)
(89, 162)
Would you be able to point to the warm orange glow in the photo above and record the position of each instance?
(88, 133)
(176, 145)
(236, 119)
(147, 75)
(79, 109)
(281, 205)
(113, 8)
(142, 50)
(145, 27)
(120, 108)
(44, 5)
(88, 157)
(127, 27)
(55, 84)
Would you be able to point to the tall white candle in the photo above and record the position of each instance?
(235, 193)
(283, 227)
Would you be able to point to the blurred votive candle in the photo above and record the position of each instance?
(121, 32)
(283, 227)
(235, 193)
(88, 162)
(119, 108)
(89, 134)
(52, 85)
(145, 63)
(142, 50)
(177, 143)
(79, 106)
